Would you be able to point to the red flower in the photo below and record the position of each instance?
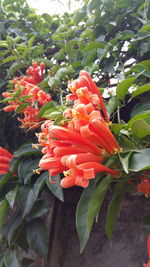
(26, 91)
(144, 185)
(79, 147)
(5, 158)
(86, 91)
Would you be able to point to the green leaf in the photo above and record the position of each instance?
(15, 67)
(4, 178)
(116, 127)
(25, 199)
(40, 182)
(97, 199)
(13, 230)
(140, 160)
(11, 196)
(20, 236)
(140, 129)
(14, 164)
(51, 115)
(114, 208)
(140, 90)
(82, 216)
(62, 73)
(40, 207)
(12, 258)
(123, 87)
(37, 237)
(58, 120)
(124, 158)
(3, 44)
(21, 107)
(143, 116)
(8, 59)
(146, 224)
(93, 45)
(127, 144)
(26, 150)
(140, 108)
(26, 168)
(113, 103)
(4, 208)
(55, 188)
(45, 107)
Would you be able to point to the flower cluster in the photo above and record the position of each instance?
(27, 98)
(5, 158)
(79, 146)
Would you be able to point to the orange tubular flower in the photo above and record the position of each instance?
(144, 187)
(148, 251)
(79, 147)
(80, 174)
(5, 158)
(26, 92)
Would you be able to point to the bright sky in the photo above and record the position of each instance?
(53, 6)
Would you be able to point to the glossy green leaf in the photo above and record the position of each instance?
(25, 199)
(82, 216)
(114, 208)
(140, 108)
(93, 45)
(123, 87)
(15, 67)
(45, 107)
(4, 178)
(14, 164)
(21, 107)
(40, 182)
(140, 129)
(140, 90)
(26, 150)
(12, 258)
(140, 160)
(13, 229)
(26, 168)
(124, 158)
(40, 207)
(11, 196)
(37, 236)
(4, 208)
(143, 116)
(97, 199)
(8, 59)
(55, 187)
(113, 103)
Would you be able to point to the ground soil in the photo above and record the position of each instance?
(128, 246)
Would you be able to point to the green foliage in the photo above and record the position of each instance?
(101, 37)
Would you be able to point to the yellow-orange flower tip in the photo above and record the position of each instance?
(147, 196)
(37, 171)
(67, 173)
(104, 154)
(36, 146)
(109, 123)
(75, 113)
(117, 150)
